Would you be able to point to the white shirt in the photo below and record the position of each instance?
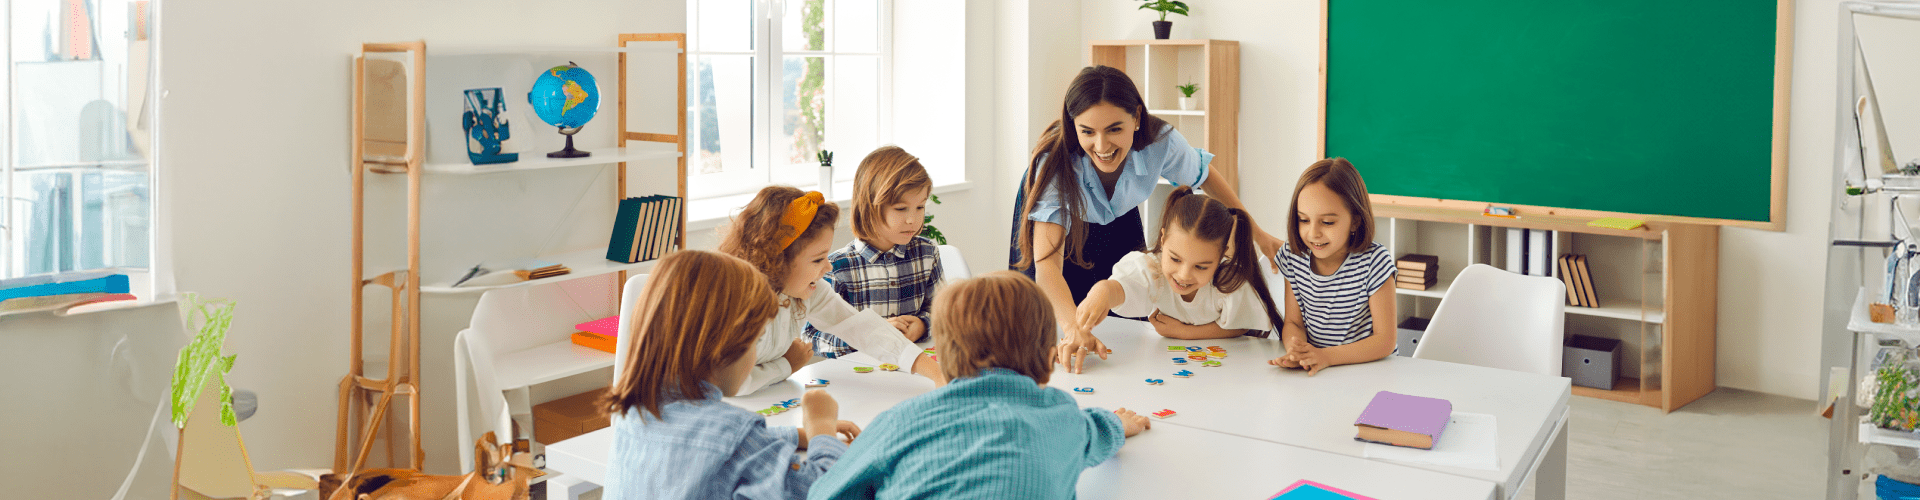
(863, 329)
(1147, 290)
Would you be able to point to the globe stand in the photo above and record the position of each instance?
(569, 152)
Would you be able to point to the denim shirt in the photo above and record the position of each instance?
(706, 448)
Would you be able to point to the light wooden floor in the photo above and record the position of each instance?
(1729, 444)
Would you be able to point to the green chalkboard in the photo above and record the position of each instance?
(1662, 108)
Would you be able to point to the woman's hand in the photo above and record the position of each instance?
(1269, 247)
(1074, 349)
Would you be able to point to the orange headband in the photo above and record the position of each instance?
(800, 215)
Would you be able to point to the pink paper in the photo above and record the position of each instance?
(609, 326)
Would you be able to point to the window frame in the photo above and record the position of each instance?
(768, 57)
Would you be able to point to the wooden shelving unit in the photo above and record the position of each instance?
(1157, 66)
(378, 147)
(1657, 289)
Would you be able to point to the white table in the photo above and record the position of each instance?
(1171, 461)
(1247, 397)
(1250, 427)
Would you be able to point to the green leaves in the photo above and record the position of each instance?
(201, 358)
(825, 157)
(1165, 7)
(1188, 89)
(930, 232)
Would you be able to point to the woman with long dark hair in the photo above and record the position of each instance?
(1089, 172)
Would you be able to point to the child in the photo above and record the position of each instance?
(673, 438)
(785, 233)
(1336, 275)
(888, 268)
(996, 431)
(1202, 279)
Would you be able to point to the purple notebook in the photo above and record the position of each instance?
(1400, 412)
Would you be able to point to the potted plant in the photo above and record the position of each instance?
(1163, 27)
(1186, 95)
(932, 233)
(826, 173)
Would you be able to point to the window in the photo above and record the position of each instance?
(76, 173)
(774, 82)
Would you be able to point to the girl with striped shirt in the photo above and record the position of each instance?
(1336, 275)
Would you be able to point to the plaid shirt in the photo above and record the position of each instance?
(897, 282)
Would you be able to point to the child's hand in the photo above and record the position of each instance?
(1088, 316)
(1132, 422)
(1286, 361)
(1165, 325)
(1306, 356)
(798, 354)
(823, 413)
(909, 325)
(849, 430)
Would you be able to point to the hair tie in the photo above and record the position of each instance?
(799, 215)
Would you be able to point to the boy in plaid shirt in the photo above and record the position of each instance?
(888, 267)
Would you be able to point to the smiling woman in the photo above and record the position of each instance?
(1077, 202)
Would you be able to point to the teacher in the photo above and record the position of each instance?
(1090, 189)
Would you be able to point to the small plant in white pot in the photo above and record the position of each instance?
(1187, 102)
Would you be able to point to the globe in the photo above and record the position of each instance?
(565, 97)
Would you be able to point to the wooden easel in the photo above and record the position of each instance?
(404, 366)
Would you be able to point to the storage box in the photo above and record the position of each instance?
(1408, 335)
(560, 419)
(1591, 361)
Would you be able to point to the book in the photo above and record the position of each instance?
(645, 228)
(609, 326)
(594, 340)
(1309, 490)
(1616, 223)
(37, 286)
(1403, 420)
(1419, 262)
(533, 269)
(1564, 264)
(1539, 252)
(1590, 295)
(1419, 286)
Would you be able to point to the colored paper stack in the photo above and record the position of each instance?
(1418, 272)
(645, 229)
(598, 334)
(534, 269)
(63, 291)
(1573, 270)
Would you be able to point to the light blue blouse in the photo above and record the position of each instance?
(706, 448)
(993, 436)
(1170, 157)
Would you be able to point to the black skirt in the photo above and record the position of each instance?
(1105, 245)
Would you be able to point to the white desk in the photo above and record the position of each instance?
(1168, 460)
(1171, 461)
(1247, 397)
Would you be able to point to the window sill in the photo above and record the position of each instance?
(708, 213)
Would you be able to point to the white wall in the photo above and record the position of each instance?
(1770, 282)
(255, 109)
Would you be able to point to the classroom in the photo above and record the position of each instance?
(985, 249)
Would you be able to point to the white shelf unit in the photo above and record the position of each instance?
(539, 207)
(1655, 286)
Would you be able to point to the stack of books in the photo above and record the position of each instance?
(1573, 270)
(645, 229)
(1418, 272)
(63, 292)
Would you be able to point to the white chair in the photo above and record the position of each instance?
(519, 337)
(629, 297)
(1498, 319)
(953, 265)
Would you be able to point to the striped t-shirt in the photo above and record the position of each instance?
(1334, 307)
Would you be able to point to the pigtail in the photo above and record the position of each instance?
(1244, 264)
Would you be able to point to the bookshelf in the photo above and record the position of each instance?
(408, 157)
(1656, 285)
(1157, 66)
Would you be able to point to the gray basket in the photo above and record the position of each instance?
(1591, 361)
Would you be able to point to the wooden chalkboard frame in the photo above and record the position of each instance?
(1777, 212)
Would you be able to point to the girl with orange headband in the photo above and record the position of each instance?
(786, 233)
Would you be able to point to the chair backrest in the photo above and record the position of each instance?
(953, 266)
(473, 373)
(1498, 319)
(629, 297)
